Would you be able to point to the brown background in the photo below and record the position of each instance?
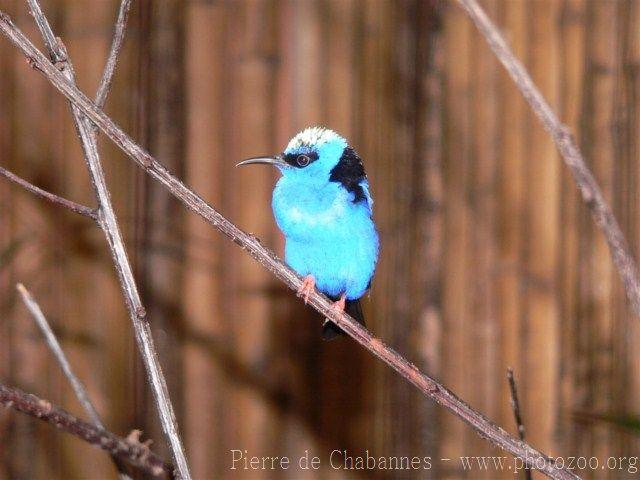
(489, 259)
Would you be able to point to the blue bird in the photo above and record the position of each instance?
(323, 207)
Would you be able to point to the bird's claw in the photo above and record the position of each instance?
(307, 287)
(340, 304)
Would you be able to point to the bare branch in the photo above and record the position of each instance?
(573, 158)
(56, 349)
(426, 384)
(77, 385)
(49, 38)
(114, 52)
(109, 225)
(515, 406)
(73, 206)
(129, 449)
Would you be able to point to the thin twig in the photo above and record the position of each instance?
(114, 52)
(77, 385)
(515, 406)
(56, 349)
(73, 206)
(426, 384)
(48, 36)
(129, 449)
(573, 158)
(109, 225)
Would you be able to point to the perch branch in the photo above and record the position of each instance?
(109, 225)
(515, 406)
(129, 449)
(77, 385)
(73, 206)
(114, 52)
(573, 158)
(426, 384)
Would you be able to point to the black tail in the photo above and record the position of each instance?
(330, 330)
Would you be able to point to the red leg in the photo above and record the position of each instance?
(307, 287)
(339, 305)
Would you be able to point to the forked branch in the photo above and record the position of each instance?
(109, 225)
(426, 384)
(56, 349)
(129, 450)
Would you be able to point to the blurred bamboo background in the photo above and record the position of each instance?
(489, 258)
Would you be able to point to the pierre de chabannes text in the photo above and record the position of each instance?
(345, 460)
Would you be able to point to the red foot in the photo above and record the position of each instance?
(307, 287)
(339, 305)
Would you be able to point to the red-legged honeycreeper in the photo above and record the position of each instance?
(323, 207)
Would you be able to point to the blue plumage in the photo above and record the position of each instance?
(323, 207)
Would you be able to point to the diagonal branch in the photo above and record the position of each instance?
(129, 449)
(426, 384)
(77, 385)
(114, 52)
(37, 191)
(573, 158)
(109, 225)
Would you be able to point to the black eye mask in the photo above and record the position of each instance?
(300, 159)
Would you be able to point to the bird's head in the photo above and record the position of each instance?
(312, 154)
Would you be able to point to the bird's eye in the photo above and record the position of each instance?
(303, 160)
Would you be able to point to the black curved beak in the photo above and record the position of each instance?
(276, 160)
